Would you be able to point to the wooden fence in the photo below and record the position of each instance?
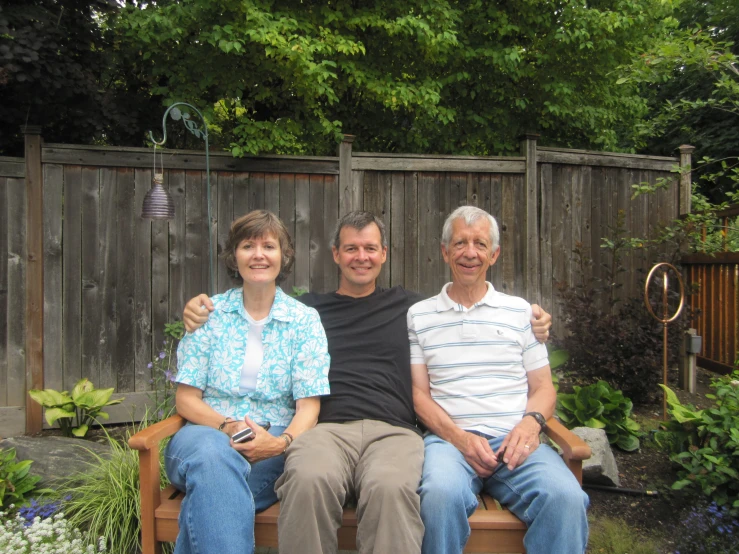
(110, 280)
(716, 301)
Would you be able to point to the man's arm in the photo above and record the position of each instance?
(475, 449)
(542, 398)
(540, 323)
(196, 312)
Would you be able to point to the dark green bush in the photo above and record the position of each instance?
(705, 443)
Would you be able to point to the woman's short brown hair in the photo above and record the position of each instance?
(255, 224)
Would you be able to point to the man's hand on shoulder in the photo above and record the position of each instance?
(197, 311)
(541, 323)
(476, 450)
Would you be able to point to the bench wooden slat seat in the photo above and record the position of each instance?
(494, 528)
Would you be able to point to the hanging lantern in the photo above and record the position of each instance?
(158, 204)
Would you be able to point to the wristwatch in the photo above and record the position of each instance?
(539, 419)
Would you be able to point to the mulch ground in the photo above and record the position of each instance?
(649, 468)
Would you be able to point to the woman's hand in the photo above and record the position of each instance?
(262, 446)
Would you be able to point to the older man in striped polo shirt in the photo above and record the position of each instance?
(483, 387)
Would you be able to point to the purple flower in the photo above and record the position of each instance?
(162, 355)
(150, 365)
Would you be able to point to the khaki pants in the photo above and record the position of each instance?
(377, 463)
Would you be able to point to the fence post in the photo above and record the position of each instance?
(533, 266)
(34, 275)
(347, 195)
(686, 178)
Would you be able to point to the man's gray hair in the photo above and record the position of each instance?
(470, 215)
(358, 220)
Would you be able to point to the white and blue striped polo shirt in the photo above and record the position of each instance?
(477, 358)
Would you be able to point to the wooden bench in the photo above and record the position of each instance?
(494, 529)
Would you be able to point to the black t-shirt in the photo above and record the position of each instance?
(370, 373)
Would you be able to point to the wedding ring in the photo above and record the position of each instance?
(526, 446)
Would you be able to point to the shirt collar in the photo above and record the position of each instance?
(233, 301)
(444, 303)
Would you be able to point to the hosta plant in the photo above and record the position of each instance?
(74, 413)
(600, 406)
(16, 480)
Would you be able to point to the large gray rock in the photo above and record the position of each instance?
(56, 458)
(601, 468)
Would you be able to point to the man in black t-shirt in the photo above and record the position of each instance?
(366, 446)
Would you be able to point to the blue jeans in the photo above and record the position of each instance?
(223, 490)
(541, 492)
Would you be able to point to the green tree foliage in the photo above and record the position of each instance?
(59, 69)
(691, 79)
(414, 76)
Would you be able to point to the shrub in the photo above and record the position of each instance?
(707, 530)
(705, 443)
(76, 412)
(106, 499)
(623, 348)
(16, 480)
(54, 535)
(601, 407)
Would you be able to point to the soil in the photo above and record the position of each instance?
(649, 468)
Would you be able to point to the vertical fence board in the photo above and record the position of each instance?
(126, 333)
(16, 279)
(545, 240)
(496, 210)
(109, 259)
(272, 192)
(330, 217)
(586, 221)
(4, 323)
(428, 233)
(90, 241)
(301, 269)
(519, 237)
(196, 245)
(317, 247)
(240, 195)
(142, 289)
(177, 272)
(626, 278)
(225, 211)
(71, 291)
(577, 218)
(256, 191)
(397, 229)
(53, 326)
(287, 215)
(507, 228)
(410, 254)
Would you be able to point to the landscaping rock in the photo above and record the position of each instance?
(55, 458)
(601, 468)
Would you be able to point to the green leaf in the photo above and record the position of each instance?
(594, 423)
(82, 386)
(49, 398)
(629, 443)
(52, 414)
(80, 431)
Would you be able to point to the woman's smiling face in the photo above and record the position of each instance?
(259, 259)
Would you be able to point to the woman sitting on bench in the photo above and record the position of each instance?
(249, 383)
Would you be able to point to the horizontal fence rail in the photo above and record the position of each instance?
(112, 280)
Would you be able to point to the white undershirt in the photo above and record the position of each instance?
(253, 356)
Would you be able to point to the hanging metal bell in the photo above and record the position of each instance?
(158, 204)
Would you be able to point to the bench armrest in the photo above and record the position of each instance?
(153, 435)
(147, 442)
(574, 449)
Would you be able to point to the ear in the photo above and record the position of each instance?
(494, 256)
(384, 254)
(335, 252)
(444, 253)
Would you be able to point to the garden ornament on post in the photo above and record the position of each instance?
(665, 319)
(158, 204)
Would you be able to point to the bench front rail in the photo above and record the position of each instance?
(494, 528)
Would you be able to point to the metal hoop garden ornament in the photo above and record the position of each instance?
(665, 319)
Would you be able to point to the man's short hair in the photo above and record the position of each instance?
(470, 215)
(257, 224)
(358, 220)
